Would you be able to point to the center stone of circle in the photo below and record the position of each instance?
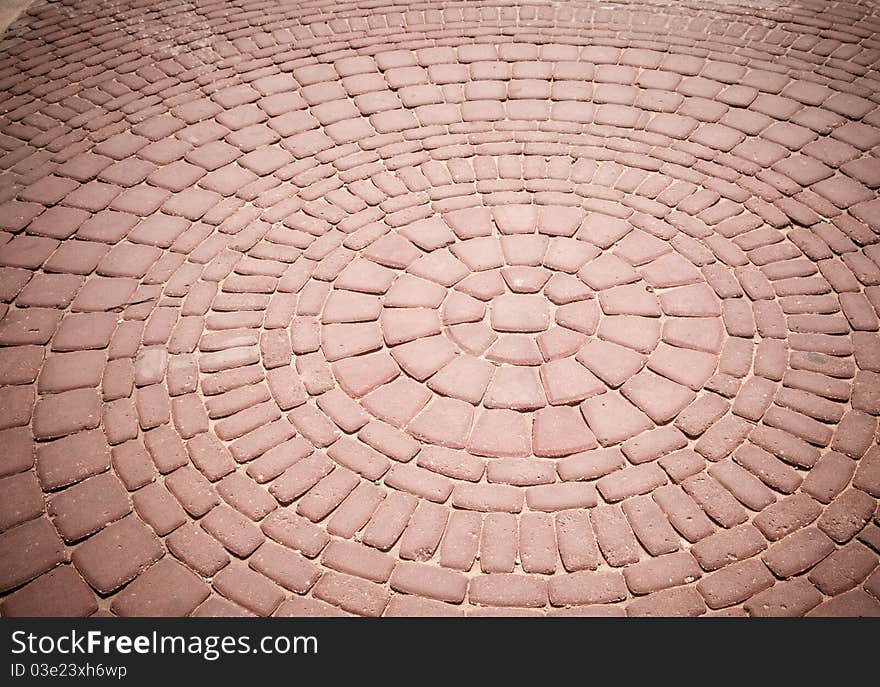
(520, 313)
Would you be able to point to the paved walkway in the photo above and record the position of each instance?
(472, 308)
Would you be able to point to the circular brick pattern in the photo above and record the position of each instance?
(456, 310)
(515, 332)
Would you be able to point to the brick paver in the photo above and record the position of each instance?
(328, 309)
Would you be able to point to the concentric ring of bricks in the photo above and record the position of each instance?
(225, 449)
(460, 353)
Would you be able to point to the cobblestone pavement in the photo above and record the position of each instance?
(443, 308)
